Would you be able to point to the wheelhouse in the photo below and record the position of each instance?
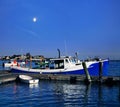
(61, 63)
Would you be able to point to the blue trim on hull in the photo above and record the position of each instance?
(93, 70)
(21, 71)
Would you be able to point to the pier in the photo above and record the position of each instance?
(7, 76)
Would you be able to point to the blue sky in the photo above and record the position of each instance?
(89, 27)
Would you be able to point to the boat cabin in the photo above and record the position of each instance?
(61, 63)
(58, 63)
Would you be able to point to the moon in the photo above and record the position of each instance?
(34, 19)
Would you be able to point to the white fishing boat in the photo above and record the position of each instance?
(10, 63)
(28, 79)
(67, 66)
(13, 62)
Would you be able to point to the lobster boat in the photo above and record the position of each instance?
(67, 66)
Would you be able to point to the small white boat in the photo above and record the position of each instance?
(28, 79)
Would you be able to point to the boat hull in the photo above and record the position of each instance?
(93, 69)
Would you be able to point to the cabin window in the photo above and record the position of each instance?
(66, 60)
(57, 64)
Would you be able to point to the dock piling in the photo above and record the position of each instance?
(88, 78)
(100, 70)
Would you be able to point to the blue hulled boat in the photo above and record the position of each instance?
(66, 65)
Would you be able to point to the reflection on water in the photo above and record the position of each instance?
(76, 94)
(49, 93)
(33, 85)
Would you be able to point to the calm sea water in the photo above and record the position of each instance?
(62, 93)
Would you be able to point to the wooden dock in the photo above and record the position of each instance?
(6, 76)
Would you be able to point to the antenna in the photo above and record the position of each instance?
(76, 53)
(65, 48)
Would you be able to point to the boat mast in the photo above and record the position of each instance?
(65, 48)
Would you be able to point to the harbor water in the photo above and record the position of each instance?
(62, 93)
